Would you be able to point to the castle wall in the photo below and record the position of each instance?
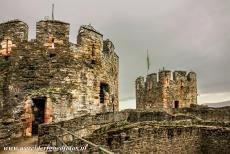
(166, 92)
(147, 137)
(160, 140)
(120, 131)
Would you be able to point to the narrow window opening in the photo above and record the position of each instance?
(7, 45)
(52, 55)
(6, 57)
(181, 82)
(93, 50)
(176, 104)
(52, 46)
(93, 62)
(104, 90)
(126, 138)
(38, 111)
(109, 141)
(83, 99)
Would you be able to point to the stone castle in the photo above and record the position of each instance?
(67, 94)
(161, 92)
(49, 79)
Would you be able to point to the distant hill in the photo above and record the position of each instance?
(221, 104)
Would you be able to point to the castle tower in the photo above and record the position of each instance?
(192, 85)
(166, 93)
(164, 77)
(91, 42)
(113, 60)
(15, 30)
(12, 33)
(140, 92)
(180, 79)
(52, 32)
(179, 76)
(164, 81)
(151, 81)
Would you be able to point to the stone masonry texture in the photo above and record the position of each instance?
(150, 131)
(72, 79)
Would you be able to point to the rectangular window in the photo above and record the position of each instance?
(104, 90)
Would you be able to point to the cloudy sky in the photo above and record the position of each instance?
(179, 35)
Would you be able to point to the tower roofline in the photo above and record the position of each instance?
(91, 28)
(13, 21)
(54, 21)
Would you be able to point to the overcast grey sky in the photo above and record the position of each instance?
(179, 34)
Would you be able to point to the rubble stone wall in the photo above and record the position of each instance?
(69, 76)
(102, 123)
(80, 126)
(207, 114)
(15, 29)
(160, 138)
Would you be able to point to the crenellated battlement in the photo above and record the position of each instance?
(52, 31)
(162, 90)
(53, 34)
(164, 77)
(14, 30)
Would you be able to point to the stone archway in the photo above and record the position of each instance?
(37, 110)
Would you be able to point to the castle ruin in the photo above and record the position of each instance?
(162, 92)
(49, 79)
(54, 85)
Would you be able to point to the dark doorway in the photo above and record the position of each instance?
(176, 105)
(104, 88)
(38, 111)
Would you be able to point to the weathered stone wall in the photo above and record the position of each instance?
(80, 126)
(69, 76)
(15, 30)
(9, 132)
(215, 141)
(52, 31)
(103, 123)
(207, 114)
(152, 137)
(164, 92)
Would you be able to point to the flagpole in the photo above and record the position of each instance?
(148, 64)
(52, 11)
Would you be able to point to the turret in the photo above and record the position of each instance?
(191, 76)
(52, 32)
(192, 82)
(12, 33)
(151, 81)
(164, 77)
(179, 75)
(14, 30)
(91, 42)
(108, 46)
(90, 38)
(140, 92)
